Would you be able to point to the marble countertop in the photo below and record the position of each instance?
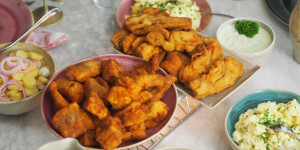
(90, 30)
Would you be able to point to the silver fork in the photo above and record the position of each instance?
(283, 128)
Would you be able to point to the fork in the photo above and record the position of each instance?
(283, 128)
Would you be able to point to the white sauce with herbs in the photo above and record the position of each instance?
(230, 38)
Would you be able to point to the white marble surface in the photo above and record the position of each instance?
(90, 29)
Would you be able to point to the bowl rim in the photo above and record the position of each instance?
(95, 56)
(259, 53)
(49, 78)
(232, 143)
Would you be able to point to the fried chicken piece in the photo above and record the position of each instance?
(205, 85)
(159, 92)
(158, 112)
(215, 81)
(93, 102)
(111, 70)
(148, 67)
(117, 38)
(58, 100)
(146, 51)
(127, 42)
(84, 70)
(88, 139)
(98, 86)
(182, 40)
(137, 42)
(73, 90)
(72, 121)
(201, 63)
(133, 114)
(109, 135)
(174, 62)
(142, 97)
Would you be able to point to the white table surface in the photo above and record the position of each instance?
(90, 30)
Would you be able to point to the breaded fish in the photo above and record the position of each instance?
(174, 62)
(158, 111)
(73, 90)
(58, 100)
(84, 70)
(111, 70)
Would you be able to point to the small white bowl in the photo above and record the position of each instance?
(28, 103)
(259, 57)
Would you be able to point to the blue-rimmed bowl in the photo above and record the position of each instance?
(251, 101)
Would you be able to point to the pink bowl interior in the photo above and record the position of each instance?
(128, 62)
(124, 9)
(16, 19)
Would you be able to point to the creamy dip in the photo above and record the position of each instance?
(230, 38)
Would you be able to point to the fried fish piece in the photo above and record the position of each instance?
(159, 92)
(146, 51)
(133, 114)
(147, 81)
(143, 96)
(127, 42)
(174, 62)
(118, 36)
(111, 70)
(148, 67)
(158, 112)
(84, 70)
(137, 42)
(119, 97)
(155, 38)
(109, 135)
(98, 86)
(58, 100)
(88, 139)
(72, 121)
(205, 85)
(73, 90)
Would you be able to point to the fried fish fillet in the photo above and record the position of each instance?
(143, 97)
(119, 97)
(88, 139)
(98, 86)
(146, 51)
(84, 70)
(73, 90)
(118, 36)
(72, 121)
(108, 134)
(149, 67)
(111, 70)
(220, 77)
(93, 103)
(174, 62)
(127, 42)
(159, 91)
(58, 100)
(158, 112)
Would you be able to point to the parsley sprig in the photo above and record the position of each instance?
(248, 28)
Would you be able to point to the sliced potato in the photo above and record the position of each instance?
(31, 91)
(35, 56)
(12, 54)
(17, 76)
(17, 96)
(34, 72)
(22, 53)
(29, 81)
(43, 79)
(13, 87)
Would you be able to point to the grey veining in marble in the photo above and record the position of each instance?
(90, 30)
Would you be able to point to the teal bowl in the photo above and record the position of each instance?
(251, 101)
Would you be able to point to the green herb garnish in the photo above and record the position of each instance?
(248, 28)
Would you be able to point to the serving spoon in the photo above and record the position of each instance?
(52, 13)
(283, 128)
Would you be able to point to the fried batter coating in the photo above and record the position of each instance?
(158, 112)
(142, 97)
(155, 38)
(159, 92)
(205, 85)
(84, 70)
(215, 81)
(111, 70)
(98, 86)
(174, 62)
(58, 100)
(182, 40)
(109, 135)
(147, 81)
(127, 42)
(88, 139)
(133, 114)
(73, 90)
(72, 121)
(102, 82)
(119, 97)
(146, 51)
(149, 67)
(138, 41)
(118, 36)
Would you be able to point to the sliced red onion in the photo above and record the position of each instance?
(4, 77)
(17, 66)
(25, 65)
(11, 71)
(13, 61)
(10, 82)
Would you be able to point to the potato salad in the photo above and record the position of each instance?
(181, 8)
(251, 132)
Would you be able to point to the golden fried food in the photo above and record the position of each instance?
(127, 42)
(119, 97)
(58, 100)
(118, 36)
(137, 42)
(94, 104)
(149, 67)
(133, 114)
(84, 70)
(146, 51)
(88, 139)
(221, 76)
(73, 90)
(72, 121)
(159, 92)
(98, 86)
(174, 62)
(143, 97)
(109, 135)
(158, 110)
(155, 38)
(111, 70)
